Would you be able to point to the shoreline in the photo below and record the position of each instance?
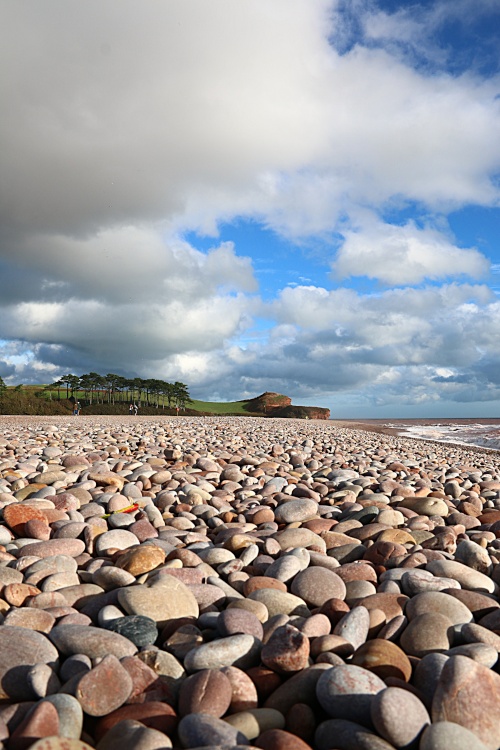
(383, 429)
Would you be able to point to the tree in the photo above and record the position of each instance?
(3, 387)
(68, 381)
(57, 384)
(181, 395)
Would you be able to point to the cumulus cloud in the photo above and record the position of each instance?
(126, 124)
(398, 255)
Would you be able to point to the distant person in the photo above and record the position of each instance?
(131, 409)
(136, 409)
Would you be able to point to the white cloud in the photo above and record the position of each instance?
(127, 122)
(399, 255)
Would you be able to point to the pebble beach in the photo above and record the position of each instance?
(230, 582)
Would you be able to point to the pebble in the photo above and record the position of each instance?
(93, 642)
(446, 734)
(208, 691)
(240, 651)
(133, 735)
(197, 730)
(465, 685)
(142, 631)
(347, 692)
(399, 716)
(257, 548)
(166, 600)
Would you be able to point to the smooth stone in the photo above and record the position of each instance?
(166, 600)
(437, 601)
(254, 722)
(243, 691)
(75, 664)
(41, 721)
(473, 633)
(197, 730)
(446, 735)
(426, 506)
(427, 633)
(114, 539)
(58, 581)
(70, 714)
(471, 554)
(469, 579)
(354, 626)
(239, 621)
(287, 650)
(348, 735)
(469, 694)
(479, 604)
(104, 688)
(9, 575)
(280, 603)
(284, 568)
(479, 652)
(296, 510)
(356, 591)
(21, 649)
(142, 559)
(30, 618)
(300, 688)
(56, 564)
(316, 585)
(418, 581)
(392, 604)
(302, 537)
(399, 716)
(91, 641)
(133, 735)
(142, 631)
(427, 674)
(170, 671)
(241, 651)
(81, 594)
(208, 692)
(279, 739)
(43, 680)
(347, 692)
(153, 714)
(384, 658)
(70, 547)
(109, 577)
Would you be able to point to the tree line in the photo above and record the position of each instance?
(113, 389)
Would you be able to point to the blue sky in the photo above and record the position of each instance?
(290, 195)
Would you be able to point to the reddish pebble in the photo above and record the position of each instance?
(287, 650)
(105, 688)
(278, 739)
(154, 715)
(42, 721)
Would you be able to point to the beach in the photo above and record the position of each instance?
(210, 582)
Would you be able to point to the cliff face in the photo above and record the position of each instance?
(276, 405)
(302, 412)
(268, 402)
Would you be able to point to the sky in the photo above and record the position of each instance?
(300, 196)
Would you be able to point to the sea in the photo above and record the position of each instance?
(481, 433)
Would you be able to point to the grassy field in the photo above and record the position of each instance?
(34, 400)
(231, 407)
